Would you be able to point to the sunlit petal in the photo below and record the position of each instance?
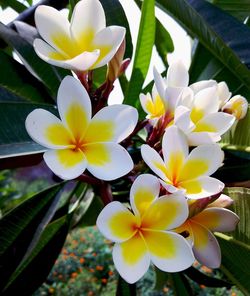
(169, 251)
(217, 219)
(218, 122)
(202, 187)
(201, 138)
(143, 193)
(66, 163)
(74, 106)
(82, 18)
(108, 41)
(160, 83)
(131, 258)
(54, 28)
(177, 75)
(47, 130)
(198, 86)
(182, 119)
(154, 161)
(206, 248)
(223, 93)
(107, 161)
(167, 212)
(112, 124)
(116, 222)
(203, 160)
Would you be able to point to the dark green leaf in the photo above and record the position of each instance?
(180, 284)
(14, 4)
(143, 53)
(34, 271)
(18, 227)
(238, 8)
(225, 37)
(115, 15)
(50, 75)
(14, 139)
(18, 84)
(125, 289)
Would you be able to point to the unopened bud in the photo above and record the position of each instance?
(236, 106)
(117, 66)
(223, 201)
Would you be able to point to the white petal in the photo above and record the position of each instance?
(206, 248)
(218, 219)
(201, 138)
(121, 119)
(131, 259)
(146, 100)
(174, 143)
(87, 15)
(116, 222)
(223, 93)
(182, 119)
(81, 62)
(74, 106)
(160, 83)
(169, 251)
(207, 100)
(202, 187)
(66, 164)
(154, 161)
(203, 160)
(177, 75)
(172, 97)
(40, 125)
(111, 37)
(198, 86)
(108, 161)
(52, 26)
(144, 191)
(187, 97)
(218, 122)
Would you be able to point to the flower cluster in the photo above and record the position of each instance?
(173, 213)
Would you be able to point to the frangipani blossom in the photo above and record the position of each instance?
(182, 171)
(201, 227)
(199, 118)
(85, 43)
(153, 106)
(77, 141)
(237, 106)
(140, 236)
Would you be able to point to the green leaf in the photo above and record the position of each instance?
(18, 227)
(143, 53)
(237, 8)
(17, 81)
(163, 42)
(236, 247)
(241, 206)
(50, 75)
(125, 289)
(14, 139)
(238, 138)
(14, 4)
(235, 259)
(115, 15)
(34, 271)
(180, 284)
(224, 36)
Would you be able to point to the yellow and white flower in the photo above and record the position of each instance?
(85, 43)
(140, 236)
(237, 106)
(153, 106)
(200, 229)
(182, 171)
(197, 114)
(77, 141)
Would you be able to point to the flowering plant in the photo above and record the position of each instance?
(153, 168)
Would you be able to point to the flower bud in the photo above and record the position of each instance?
(236, 106)
(223, 201)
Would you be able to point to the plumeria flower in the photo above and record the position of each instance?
(200, 229)
(182, 171)
(153, 106)
(237, 106)
(77, 141)
(142, 235)
(85, 43)
(199, 118)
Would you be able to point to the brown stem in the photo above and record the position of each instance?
(82, 76)
(105, 192)
(140, 125)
